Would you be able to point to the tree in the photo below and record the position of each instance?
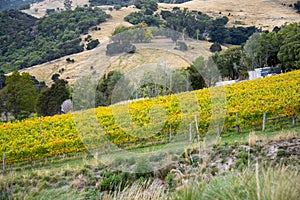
(269, 47)
(208, 71)
(84, 93)
(24, 6)
(215, 47)
(106, 86)
(55, 77)
(229, 62)
(92, 44)
(2, 79)
(68, 4)
(22, 94)
(252, 48)
(297, 6)
(50, 99)
(218, 32)
(289, 53)
(4, 103)
(194, 74)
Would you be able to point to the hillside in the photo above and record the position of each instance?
(255, 13)
(27, 41)
(259, 13)
(137, 156)
(131, 125)
(14, 4)
(83, 61)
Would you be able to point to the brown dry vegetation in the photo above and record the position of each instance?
(260, 13)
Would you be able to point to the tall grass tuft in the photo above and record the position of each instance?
(148, 190)
(277, 184)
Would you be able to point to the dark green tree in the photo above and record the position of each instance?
(4, 108)
(92, 44)
(22, 94)
(289, 53)
(68, 4)
(106, 86)
(50, 99)
(297, 6)
(24, 6)
(55, 77)
(2, 79)
(269, 47)
(229, 62)
(194, 74)
(215, 47)
(252, 51)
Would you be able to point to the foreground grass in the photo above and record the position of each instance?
(86, 178)
(280, 184)
(261, 183)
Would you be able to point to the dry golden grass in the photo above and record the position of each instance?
(252, 139)
(260, 13)
(285, 135)
(266, 14)
(51, 4)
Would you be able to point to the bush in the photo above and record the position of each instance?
(92, 44)
(55, 77)
(182, 46)
(50, 11)
(215, 47)
(24, 6)
(170, 180)
(117, 7)
(143, 168)
(69, 60)
(297, 6)
(117, 48)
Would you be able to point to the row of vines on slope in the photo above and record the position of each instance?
(143, 121)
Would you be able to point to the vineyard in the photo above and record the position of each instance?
(150, 120)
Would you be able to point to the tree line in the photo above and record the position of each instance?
(193, 24)
(22, 95)
(268, 49)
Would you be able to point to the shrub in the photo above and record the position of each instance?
(182, 46)
(297, 6)
(170, 180)
(24, 6)
(117, 7)
(215, 47)
(117, 48)
(92, 44)
(69, 60)
(143, 168)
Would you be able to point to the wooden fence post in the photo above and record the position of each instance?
(293, 121)
(4, 159)
(219, 131)
(191, 134)
(237, 121)
(264, 121)
(197, 129)
(170, 133)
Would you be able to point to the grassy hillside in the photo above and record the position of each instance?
(28, 41)
(259, 13)
(148, 121)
